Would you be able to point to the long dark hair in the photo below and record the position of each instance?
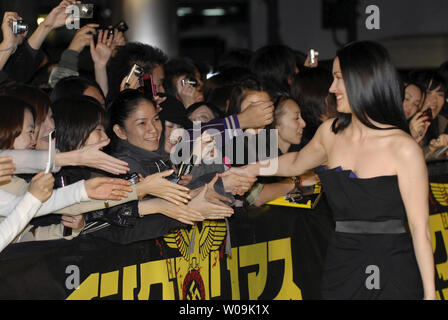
(274, 66)
(372, 85)
(309, 89)
(75, 118)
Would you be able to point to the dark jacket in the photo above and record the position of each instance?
(24, 63)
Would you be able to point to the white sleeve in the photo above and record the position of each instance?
(28, 161)
(8, 202)
(18, 219)
(64, 197)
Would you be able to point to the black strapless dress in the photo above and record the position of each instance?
(368, 265)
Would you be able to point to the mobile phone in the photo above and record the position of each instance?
(148, 83)
(51, 151)
(83, 11)
(313, 55)
(135, 75)
(427, 113)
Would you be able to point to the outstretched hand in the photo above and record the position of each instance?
(210, 203)
(102, 51)
(103, 188)
(237, 184)
(156, 185)
(92, 156)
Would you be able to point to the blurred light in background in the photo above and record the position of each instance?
(183, 11)
(41, 19)
(215, 12)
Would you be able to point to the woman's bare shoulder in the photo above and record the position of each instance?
(324, 134)
(326, 127)
(405, 148)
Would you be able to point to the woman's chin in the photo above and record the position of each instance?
(150, 145)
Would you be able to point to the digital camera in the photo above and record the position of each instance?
(19, 27)
(191, 82)
(134, 75)
(83, 11)
(313, 55)
(121, 27)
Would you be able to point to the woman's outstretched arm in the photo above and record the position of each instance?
(294, 163)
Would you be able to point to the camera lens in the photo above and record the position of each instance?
(20, 27)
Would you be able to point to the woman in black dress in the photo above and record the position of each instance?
(377, 182)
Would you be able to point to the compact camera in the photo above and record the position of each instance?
(134, 76)
(313, 55)
(83, 11)
(191, 82)
(19, 27)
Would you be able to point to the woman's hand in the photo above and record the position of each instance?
(134, 83)
(204, 148)
(7, 168)
(58, 16)
(181, 212)
(418, 126)
(92, 156)
(102, 52)
(210, 203)
(236, 184)
(75, 222)
(185, 180)
(82, 37)
(187, 93)
(159, 100)
(103, 188)
(257, 115)
(119, 40)
(308, 63)
(309, 179)
(440, 142)
(156, 185)
(10, 40)
(41, 186)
